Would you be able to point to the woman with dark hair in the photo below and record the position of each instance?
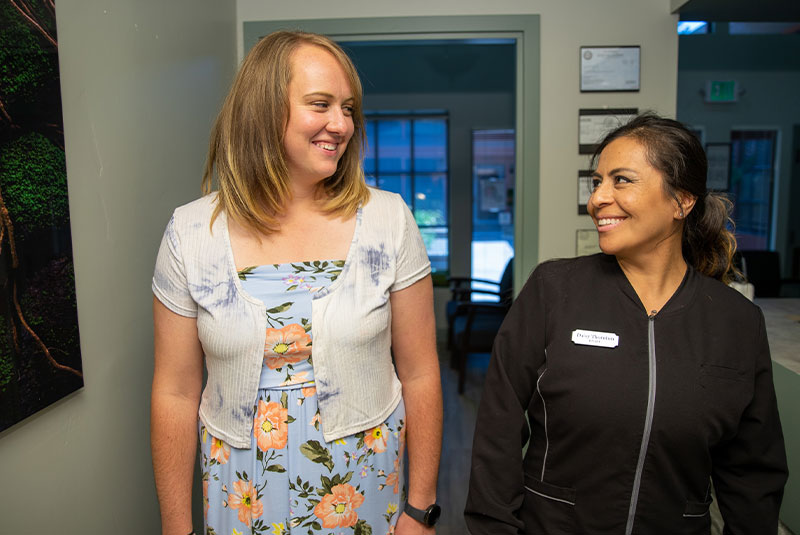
(644, 377)
(293, 249)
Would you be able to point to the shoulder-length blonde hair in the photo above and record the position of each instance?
(246, 152)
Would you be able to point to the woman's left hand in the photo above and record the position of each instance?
(408, 526)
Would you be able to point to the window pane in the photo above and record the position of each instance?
(397, 183)
(752, 171)
(436, 242)
(394, 145)
(369, 156)
(430, 145)
(430, 205)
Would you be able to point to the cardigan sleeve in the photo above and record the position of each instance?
(496, 484)
(750, 470)
(170, 284)
(412, 257)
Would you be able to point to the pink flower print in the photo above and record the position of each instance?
(245, 500)
(338, 509)
(220, 451)
(270, 427)
(375, 438)
(288, 345)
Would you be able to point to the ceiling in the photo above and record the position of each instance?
(741, 10)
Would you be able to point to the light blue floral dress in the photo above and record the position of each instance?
(291, 480)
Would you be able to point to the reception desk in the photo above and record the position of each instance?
(783, 330)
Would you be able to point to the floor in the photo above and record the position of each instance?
(459, 424)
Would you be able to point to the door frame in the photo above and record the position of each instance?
(525, 30)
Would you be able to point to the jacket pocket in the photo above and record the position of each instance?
(720, 372)
(696, 518)
(548, 509)
(696, 509)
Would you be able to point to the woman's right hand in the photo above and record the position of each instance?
(177, 383)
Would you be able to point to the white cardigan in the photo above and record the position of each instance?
(357, 387)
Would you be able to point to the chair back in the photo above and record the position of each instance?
(507, 283)
(763, 269)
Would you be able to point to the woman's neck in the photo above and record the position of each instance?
(655, 276)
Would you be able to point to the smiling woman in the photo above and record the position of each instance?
(292, 283)
(642, 375)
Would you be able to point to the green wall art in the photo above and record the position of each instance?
(40, 358)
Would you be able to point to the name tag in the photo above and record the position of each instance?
(594, 338)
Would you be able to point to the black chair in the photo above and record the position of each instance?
(763, 270)
(472, 325)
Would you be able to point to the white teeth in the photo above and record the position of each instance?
(326, 146)
(608, 221)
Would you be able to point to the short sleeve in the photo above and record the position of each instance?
(170, 285)
(412, 258)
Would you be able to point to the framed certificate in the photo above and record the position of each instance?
(584, 190)
(594, 124)
(610, 68)
(719, 166)
(586, 242)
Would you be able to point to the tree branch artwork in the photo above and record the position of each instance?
(40, 359)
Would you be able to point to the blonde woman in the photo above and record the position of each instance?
(292, 282)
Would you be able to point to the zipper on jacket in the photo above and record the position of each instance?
(648, 422)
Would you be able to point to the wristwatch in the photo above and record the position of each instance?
(427, 516)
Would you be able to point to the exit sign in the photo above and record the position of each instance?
(722, 91)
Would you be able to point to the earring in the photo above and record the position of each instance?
(681, 214)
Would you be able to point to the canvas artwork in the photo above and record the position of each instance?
(40, 359)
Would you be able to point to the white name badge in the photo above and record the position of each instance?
(594, 338)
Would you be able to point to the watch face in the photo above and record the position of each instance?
(432, 514)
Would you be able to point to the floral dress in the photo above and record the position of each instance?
(291, 481)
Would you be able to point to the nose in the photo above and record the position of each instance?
(337, 121)
(602, 194)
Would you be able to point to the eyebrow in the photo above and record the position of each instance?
(615, 171)
(323, 94)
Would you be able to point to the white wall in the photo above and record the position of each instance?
(141, 82)
(565, 26)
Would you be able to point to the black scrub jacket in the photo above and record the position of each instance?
(630, 414)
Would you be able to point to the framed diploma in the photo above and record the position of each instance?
(586, 242)
(719, 166)
(610, 68)
(593, 124)
(584, 190)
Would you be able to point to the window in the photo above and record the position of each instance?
(692, 27)
(407, 154)
(493, 161)
(752, 172)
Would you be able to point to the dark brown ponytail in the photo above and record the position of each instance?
(676, 152)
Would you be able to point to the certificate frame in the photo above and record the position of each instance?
(584, 190)
(587, 242)
(594, 123)
(610, 68)
(719, 166)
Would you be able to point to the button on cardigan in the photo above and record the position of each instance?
(357, 387)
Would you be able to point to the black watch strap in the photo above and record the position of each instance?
(428, 516)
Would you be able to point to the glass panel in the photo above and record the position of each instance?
(430, 145)
(369, 155)
(394, 145)
(752, 170)
(437, 243)
(430, 204)
(397, 183)
(493, 155)
(688, 27)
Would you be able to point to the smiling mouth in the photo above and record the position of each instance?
(607, 222)
(326, 146)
